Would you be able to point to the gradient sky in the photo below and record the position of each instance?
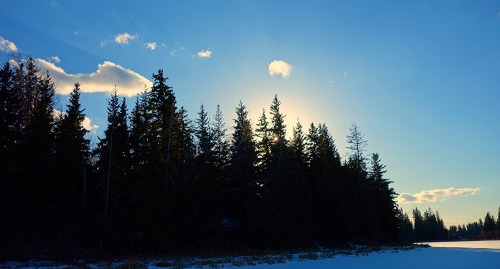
(420, 78)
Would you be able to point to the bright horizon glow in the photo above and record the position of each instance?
(419, 78)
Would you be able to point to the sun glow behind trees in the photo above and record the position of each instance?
(171, 182)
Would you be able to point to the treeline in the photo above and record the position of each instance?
(157, 181)
(430, 227)
(425, 227)
(487, 229)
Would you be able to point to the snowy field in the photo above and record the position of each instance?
(470, 254)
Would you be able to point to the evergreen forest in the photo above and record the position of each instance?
(159, 181)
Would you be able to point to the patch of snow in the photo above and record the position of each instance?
(442, 255)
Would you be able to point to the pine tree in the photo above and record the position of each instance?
(71, 159)
(263, 146)
(418, 224)
(221, 145)
(489, 227)
(162, 109)
(243, 152)
(39, 138)
(242, 188)
(359, 185)
(405, 227)
(113, 152)
(204, 136)
(332, 204)
(298, 145)
(382, 202)
(279, 143)
(498, 221)
(357, 145)
(139, 142)
(7, 120)
(9, 165)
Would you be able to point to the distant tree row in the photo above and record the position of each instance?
(157, 181)
(430, 227)
(487, 229)
(425, 227)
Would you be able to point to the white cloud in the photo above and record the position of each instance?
(6, 45)
(204, 54)
(124, 38)
(151, 45)
(108, 74)
(278, 67)
(87, 122)
(55, 59)
(436, 195)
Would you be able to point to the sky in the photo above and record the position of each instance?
(421, 79)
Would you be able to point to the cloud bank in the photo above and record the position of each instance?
(7, 46)
(124, 38)
(204, 54)
(108, 74)
(437, 195)
(278, 67)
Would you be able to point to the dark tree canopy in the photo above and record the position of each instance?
(157, 181)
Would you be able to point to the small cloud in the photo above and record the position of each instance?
(55, 59)
(204, 54)
(151, 45)
(87, 122)
(108, 74)
(124, 38)
(76, 33)
(7, 46)
(436, 195)
(278, 67)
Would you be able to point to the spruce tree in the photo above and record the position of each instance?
(489, 227)
(71, 159)
(279, 143)
(418, 225)
(498, 221)
(243, 152)
(242, 188)
(381, 196)
(204, 136)
(263, 146)
(405, 227)
(112, 166)
(221, 145)
(298, 145)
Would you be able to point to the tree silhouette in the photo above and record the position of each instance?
(157, 181)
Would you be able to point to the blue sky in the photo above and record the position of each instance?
(420, 78)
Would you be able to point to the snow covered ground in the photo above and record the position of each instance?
(469, 254)
(472, 254)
